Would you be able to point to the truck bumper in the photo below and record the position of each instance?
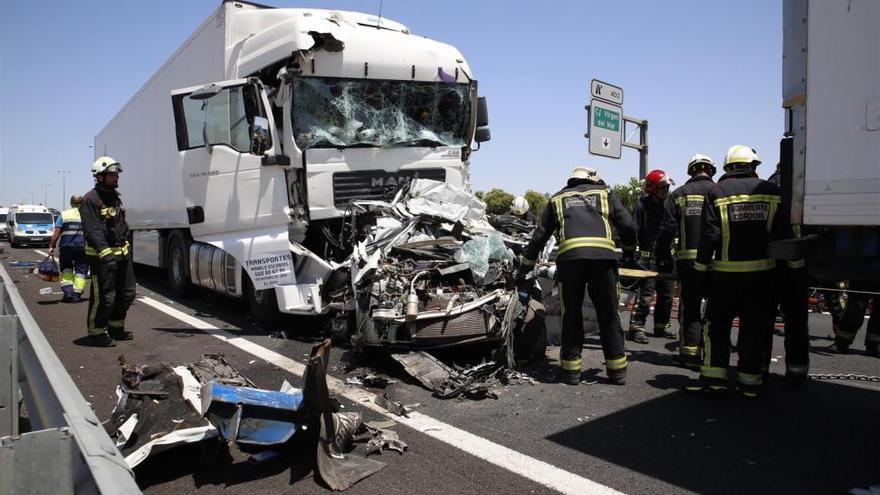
(300, 299)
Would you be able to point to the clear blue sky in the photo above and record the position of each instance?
(706, 74)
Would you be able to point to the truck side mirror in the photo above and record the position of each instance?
(482, 112)
(259, 135)
(482, 135)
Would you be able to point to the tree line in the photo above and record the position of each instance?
(498, 200)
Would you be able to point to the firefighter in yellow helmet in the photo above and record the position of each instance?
(741, 215)
(107, 249)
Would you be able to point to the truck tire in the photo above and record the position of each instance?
(178, 265)
(263, 304)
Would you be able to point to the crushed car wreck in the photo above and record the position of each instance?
(427, 271)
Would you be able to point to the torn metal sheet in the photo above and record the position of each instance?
(145, 424)
(444, 200)
(337, 467)
(428, 370)
(384, 439)
(390, 405)
(215, 367)
(447, 382)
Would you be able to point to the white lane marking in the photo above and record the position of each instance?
(41, 253)
(499, 455)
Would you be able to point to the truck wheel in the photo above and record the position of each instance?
(263, 304)
(178, 265)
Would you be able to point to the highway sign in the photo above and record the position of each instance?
(604, 91)
(605, 128)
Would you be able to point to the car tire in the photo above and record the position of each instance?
(178, 265)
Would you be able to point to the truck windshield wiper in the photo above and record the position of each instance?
(418, 142)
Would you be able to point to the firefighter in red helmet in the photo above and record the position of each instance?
(649, 216)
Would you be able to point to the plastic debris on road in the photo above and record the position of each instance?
(161, 406)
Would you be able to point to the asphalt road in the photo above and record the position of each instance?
(645, 437)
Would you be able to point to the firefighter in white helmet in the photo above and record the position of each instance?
(586, 261)
(740, 216)
(107, 248)
(519, 208)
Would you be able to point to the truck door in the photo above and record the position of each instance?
(227, 142)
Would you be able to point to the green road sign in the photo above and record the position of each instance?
(606, 119)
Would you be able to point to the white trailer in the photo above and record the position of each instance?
(831, 156)
(258, 131)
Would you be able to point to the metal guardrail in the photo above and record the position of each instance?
(66, 449)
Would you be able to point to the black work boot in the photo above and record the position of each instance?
(748, 391)
(617, 377)
(569, 377)
(795, 380)
(120, 334)
(637, 333)
(100, 340)
(839, 346)
(689, 362)
(665, 331)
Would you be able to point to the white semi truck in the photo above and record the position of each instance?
(243, 151)
(830, 157)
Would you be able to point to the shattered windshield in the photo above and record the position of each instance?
(336, 112)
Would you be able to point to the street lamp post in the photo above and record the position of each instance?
(46, 193)
(63, 173)
(33, 197)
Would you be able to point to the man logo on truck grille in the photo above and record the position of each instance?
(387, 187)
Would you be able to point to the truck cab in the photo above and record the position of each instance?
(265, 125)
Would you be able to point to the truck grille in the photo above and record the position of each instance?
(377, 185)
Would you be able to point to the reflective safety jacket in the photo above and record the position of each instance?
(103, 221)
(580, 217)
(648, 215)
(681, 218)
(71, 230)
(741, 215)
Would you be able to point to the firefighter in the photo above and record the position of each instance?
(519, 208)
(793, 297)
(107, 249)
(649, 214)
(580, 215)
(741, 215)
(68, 237)
(682, 219)
(517, 221)
(862, 294)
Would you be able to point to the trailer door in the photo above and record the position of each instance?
(225, 135)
